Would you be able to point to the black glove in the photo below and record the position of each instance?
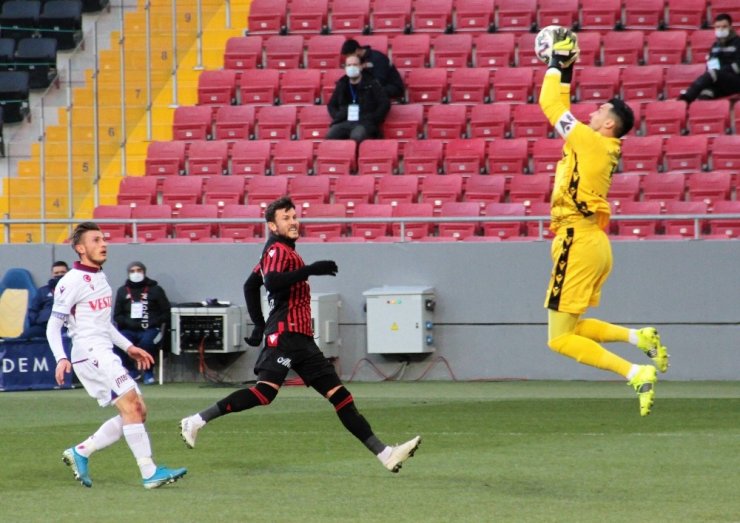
(323, 268)
(255, 339)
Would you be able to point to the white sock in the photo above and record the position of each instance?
(385, 454)
(634, 369)
(633, 336)
(138, 441)
(197, 420)
(108, 433)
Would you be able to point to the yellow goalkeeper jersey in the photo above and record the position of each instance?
(584, 174)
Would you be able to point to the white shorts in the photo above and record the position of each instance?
(102, 374)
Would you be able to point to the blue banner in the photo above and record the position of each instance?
(29, 365)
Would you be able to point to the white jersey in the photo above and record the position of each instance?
(86, 298)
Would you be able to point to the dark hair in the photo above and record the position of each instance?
(723, 17)
(81, 229)
(283, 203)
(350, 47)
(625, 117)
(60, 264)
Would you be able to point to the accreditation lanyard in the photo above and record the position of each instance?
(353, 110)
(137, 307)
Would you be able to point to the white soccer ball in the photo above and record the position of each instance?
(543, 42)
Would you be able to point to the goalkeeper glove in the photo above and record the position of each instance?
(323, 268)
(255, 339)
(565, 49)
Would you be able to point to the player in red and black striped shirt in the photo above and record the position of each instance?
(289, 342)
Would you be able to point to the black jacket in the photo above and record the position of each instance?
(727, 52)
(381, 67)
(374, 103)
(156, 312)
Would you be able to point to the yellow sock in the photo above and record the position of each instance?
(588, 352)
(602, 331)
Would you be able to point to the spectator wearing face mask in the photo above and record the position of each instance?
(140, 312)
(358, 105)
(378, 64)
(39, 309)
(723, 66)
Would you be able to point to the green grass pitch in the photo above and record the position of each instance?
(516, 451)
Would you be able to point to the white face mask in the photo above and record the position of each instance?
(136, 277)
(353, 71)
(721, 33)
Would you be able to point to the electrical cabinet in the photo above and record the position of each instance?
(400, 320)
(217, 329)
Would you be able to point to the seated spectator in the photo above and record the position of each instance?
(358, 105)
(379, 65)
(141, 310)
(39, 309)
(723, 67)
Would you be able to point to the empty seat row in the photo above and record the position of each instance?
(60, 20)
(14, 92)
(37, 56)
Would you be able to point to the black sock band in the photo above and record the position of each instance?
(353, 421)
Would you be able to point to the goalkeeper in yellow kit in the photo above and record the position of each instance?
(581, 252)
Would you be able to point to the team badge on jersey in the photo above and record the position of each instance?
(272, 340)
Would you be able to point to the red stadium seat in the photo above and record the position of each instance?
(240, 231)
(643, 14)
(525, 55)
(351, 190)
(642, 154)
(711, 117)
(438, 189)
(624, 187)
(378, 157)
(336, 157)
(267, 16)
(470, 86)
(446, 122)
(529, 122)
(474, 15)
(309, 190)
(196, 231)
(434, 16)
(178, 190)
(300, 87)
(325, 231)
(276, 123)
(503, 229)
(679, 77)
(165, 158)
(684, 226)
(150, 231)
(423, 157)
(410, 51)
(459, 230)
(557, 12)
(623, 48)
(494, 50)
(485, 189)
(234, 122)
(283, 52)
(391, 16)
(665, 47)
(512, 84)
(662, 187)
(264, 189)
(726, 152)
(516, 15)
(600, 14)
(644, 83)
(466, 157)
(598, 84)
(490, 121)
(530, 188)
(322, 52)
(217, 87)
(372, 210)
(700, 42)
(292, 158)
(224, 190)
(259, 86)
(134, 190)
(452, 51)
(250, 158)
(638, 227)
(731, 7)
(728, 227)
(507, 156)
(110, 212)
(686, 153)
(590, 45)
(192, 123)
(546, 154)
(243, 52)
(379, 42)
(413, 230)
(208, 157)
(328, 83)
(308, 16)
(686, 14)
(582, 110)
(398, 189)
(404, 122)
(665, 118)
(349, 16)
(533, 228)
(709, 187)
(426, 86)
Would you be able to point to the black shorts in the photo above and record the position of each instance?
(291, 350)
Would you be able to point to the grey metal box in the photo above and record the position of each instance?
(217, 329)
(400, 320)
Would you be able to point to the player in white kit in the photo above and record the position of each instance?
(83, 300)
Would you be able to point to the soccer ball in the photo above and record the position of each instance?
(543, 42)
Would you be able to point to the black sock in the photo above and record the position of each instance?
(353, 421)
(242, 399)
